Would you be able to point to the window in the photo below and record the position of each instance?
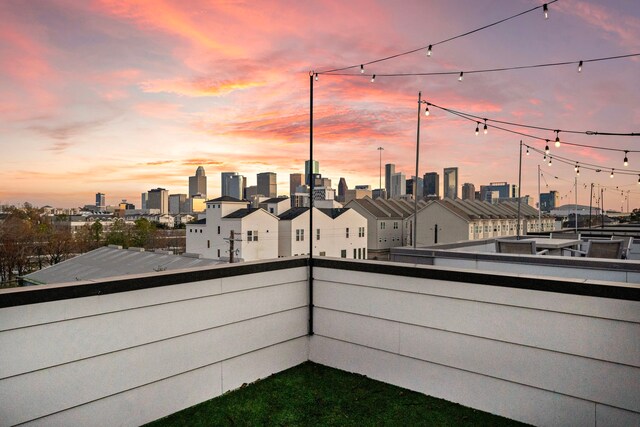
(208, 244)
(271, 210)
(354, 253)
(218, 253)
(359, 253)
(382, 226)
(200, 231)
(343, 253)
(360, 231)
(218, 229)
(364, 253)
(347, 234)
(190, 230)
(395, 225)
(318, 234)
(252, 236)
(255, 235)
(323, 253)
(299, 235)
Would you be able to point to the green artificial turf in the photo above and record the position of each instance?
(315, 395)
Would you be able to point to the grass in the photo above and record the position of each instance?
(315, 395)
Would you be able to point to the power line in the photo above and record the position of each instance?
(544, 7)
(582, 165)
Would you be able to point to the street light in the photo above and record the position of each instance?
(380, 149)
(415, 180)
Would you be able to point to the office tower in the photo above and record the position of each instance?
(198, 183)
(450, 183)
(549, 201)
(468, 191)
(176, 203)
(398, 185)
(342, 189)
(235, 186)
(267, 185)
(295, 180)
(100, 201)
(158, 198)
(224, 182)
(379, 193)
(409, 188)
(143, 201)
(389, 170)
(498, 190)
(308, 171)
(431, 184)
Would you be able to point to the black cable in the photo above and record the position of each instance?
(582, 165)
(437, 43)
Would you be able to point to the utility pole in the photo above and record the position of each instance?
(602, 208)
(590, 205)
(231, 239)
(576, 200)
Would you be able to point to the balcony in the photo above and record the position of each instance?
(542, 350)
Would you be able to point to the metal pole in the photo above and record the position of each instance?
(602, 208)
(311, 179)
(380, 183)
(590, 205)
(519, 190)
(415, 178)
(576, 185)
(539, 203)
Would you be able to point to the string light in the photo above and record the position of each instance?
(576, 168)
(316, 76)
(549, 160)
(557, 139)
(545, 9)
(485, 127)
(580, 67)
(611, 176)
(361, 69)
(461, 76)
(578, 172)
(373, 78)
(527, 151)
(429, 50)
(638, 179)
(626, 160)
(426, 111)
(546, 147)
(478, 129)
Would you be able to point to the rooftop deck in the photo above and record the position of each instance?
(540, 350)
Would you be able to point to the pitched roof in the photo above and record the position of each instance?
(111, 262)
(226, 199)
(275, 200)
(200, 221)
(292, 213)
(333, 213)
(241, 213)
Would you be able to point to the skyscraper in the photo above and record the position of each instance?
(342, 189)
(235, 186)
(398, 185)
(431, 184)
(267, 185)
(295, 180)
(224, 182)
(177, 203)
(100, 201)
(468, 191)
(198, 183)
(308, 171)
(451, 183)
(143, 201)
(420, 185)
(158, 198)
(389, 170)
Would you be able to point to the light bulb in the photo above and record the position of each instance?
(545, 9)
(426, 111)
(549, 161)
(429, 50)
(485, 127)
(373, 78)
(527, 151)
(639, 179)
(626, 160)
(546, 148)
(611, 176)
(576, 168)
(361, 69)
(557, 139)
(580, 67)
(316, 76)
(578, 172)
(477, 128)
(461, 76)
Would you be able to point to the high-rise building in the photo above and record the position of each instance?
(398, 185)
(267, 184)
(295, 180)
(420, 184)
(100, 201)
(549, 201)
(198, 183)
(224, 182)
(379, 193)
(468, 191)
(176, 203)
(235, 187)
(431, 184)
(308, 170)
(143, 201)
(498, 190)
(389, 170)
(342, 189)
(158, 198)
(450, 182)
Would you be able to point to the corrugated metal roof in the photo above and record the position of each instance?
(111, 262)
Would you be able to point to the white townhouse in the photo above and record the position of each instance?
(255, 231)
(276, 205)
(338, 232)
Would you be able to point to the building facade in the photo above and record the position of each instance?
(450, 183)
(158, 198)
(431, 186)
(198, 183)
(267, 185)
(468, 191)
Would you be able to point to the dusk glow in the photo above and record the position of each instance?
(123, 96)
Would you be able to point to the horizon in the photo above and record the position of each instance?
(118, 98)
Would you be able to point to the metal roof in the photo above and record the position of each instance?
(241, 213)
(227, 199)
(111, 262)
(292, 213)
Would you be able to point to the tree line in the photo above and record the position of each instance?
(31, 240)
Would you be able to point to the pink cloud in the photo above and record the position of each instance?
(198, 87)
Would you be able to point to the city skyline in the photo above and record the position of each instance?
(118, 97)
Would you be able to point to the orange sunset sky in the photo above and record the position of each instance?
(123, 96)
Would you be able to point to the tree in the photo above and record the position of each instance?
(144, 233)
(119, 234)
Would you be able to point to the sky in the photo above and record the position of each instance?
(120, 97)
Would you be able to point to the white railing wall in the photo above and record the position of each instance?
(128, 358)
(543, 358)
